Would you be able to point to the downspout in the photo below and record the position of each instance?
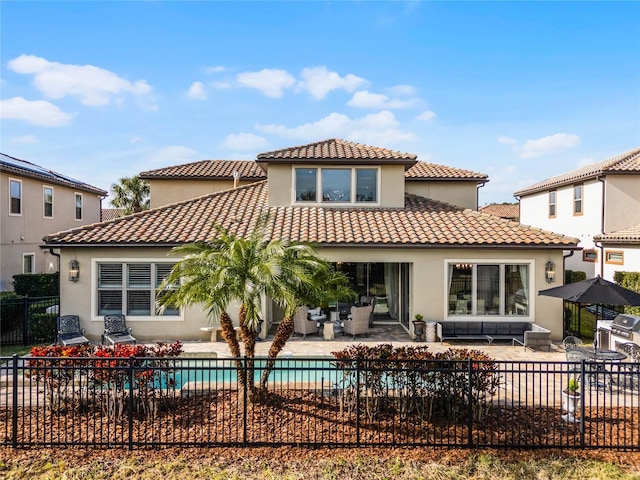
(51, 252)
(478, 187)
(602, 213)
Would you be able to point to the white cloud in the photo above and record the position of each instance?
(507, 140)
(25, 139)
(269, 81)
(550, 144)
(216, 69)
(220, 85)
(245, 141)
(365, 99)
(319, 81)
(402, 90)
(93, 85)
(379, 127)
(196, 91)
(426, 116)
(173, 155)
(35, 112)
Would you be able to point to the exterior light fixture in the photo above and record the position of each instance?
(550, 272)
(74, 271)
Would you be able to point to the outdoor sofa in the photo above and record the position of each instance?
(522, 333)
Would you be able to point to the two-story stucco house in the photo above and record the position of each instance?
(600, 205)
(379, 214)
(36, 202)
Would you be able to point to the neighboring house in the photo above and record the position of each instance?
(111, 213)
(36, 202)
(622, 250)
(592, 202)
(508, 211)
(415, 254)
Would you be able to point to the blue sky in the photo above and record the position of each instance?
(520, 91)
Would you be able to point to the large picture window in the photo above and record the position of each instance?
(337, 185)
(488, 289)
(132, 289)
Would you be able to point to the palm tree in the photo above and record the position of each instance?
(231, 268)
(131, 194)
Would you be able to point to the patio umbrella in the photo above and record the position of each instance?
(594, 290)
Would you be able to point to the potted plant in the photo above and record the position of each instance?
(419, 327)
(571, 396)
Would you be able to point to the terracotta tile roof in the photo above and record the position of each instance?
(337, 149)
(625, 163)
(422, 223)
(503, 210)
(427, 171)
(111, 213)
(208, 170)
(27, 169)
(629, 235)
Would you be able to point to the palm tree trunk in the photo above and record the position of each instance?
(229, 334)
(283, 333)
(249, 340)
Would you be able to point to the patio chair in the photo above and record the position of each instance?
(305, 323)
(358, 321)
(630, 368)
(69, 331)
(116, 330)
(369, 300)
(570, 342)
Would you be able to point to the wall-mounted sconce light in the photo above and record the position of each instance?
(74, 271)
(550, 272)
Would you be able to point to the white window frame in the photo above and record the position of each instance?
(490, 261)
(577, 199)
(31, 255)
(96, 317)
(44, 201)
(352, 201)
(553, 204)
(19, 182)
(77, 195)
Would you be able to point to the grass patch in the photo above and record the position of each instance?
(8, 350)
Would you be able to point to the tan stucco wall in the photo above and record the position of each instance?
(462, 194)
(282, 187)
(427, 286)
(23, 234)
(164, 192)
(622, 202)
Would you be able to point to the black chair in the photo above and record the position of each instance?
(69, 331)
(116, 330)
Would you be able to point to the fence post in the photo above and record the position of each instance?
(14, 413)
(130, 415)
(25, 321)
(244, 401)
(469, 404)
(357, 402)
(582, 441)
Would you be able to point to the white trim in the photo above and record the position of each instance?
(33, 262)
(44, 187)
(490, 261)
(19, 181)
(133, 318)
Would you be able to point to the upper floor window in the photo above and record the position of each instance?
(28, 262)
(552, 203)
(15, 194)
(614, 257)
(577, 199)
(78, 206)
(338, 185)
(132, 289)
(48, 201)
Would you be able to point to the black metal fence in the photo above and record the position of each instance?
(195, 401)
(28, 321)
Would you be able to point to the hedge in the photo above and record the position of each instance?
(630, 280)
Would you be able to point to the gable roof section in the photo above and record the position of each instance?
(625, 163)
(433, 171)
(629, 235)
(338, 150)
(27, 169)
(502, 210)
(422, 223)
(208, 170)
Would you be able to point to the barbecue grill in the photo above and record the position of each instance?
(626, 325)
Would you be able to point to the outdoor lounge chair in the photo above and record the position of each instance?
(358, 322)
(69, 331)
(305, 323)
(116, 331)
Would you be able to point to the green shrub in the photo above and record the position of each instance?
(37, 284)
(630, 280)
(572, 276)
